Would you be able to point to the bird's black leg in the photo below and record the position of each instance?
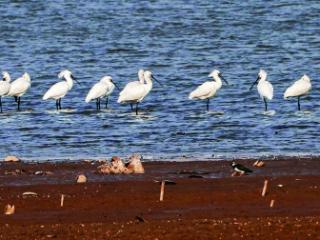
(15, 99)
(265, 104)
(208, 103)
(299, 103)
(97, 104)
(137, 108)
(0, 105)
(131, 105)
(57, 104)
(60, 104)
(107, 101)
(18, 103)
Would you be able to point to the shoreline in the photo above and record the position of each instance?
(205, 201)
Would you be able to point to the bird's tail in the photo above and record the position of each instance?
(191, 95)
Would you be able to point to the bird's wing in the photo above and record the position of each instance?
(202, 91)
(298, 88)
(265, 89)
(129, 86)
(132, 93)
(98, 90)
(110, 89)
(19, 86)
(56, 91)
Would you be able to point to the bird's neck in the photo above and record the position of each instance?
(217, 79)
(69, 82)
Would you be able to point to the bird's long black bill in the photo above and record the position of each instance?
(157, 81)
(116, 85)
(75, 79)
(255, 82)
(224, 80)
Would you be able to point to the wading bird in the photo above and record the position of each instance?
(19, 87)
(264, 87)
(298, 89)
(135, 92)
(208, 89)
(101, 89)
(238, 168)
(60, 89)
(4, 86)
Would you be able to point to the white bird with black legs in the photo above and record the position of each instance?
(19, 87)
(102, 89)
(135, 93)
(132, 84)
(4, 86)
(208, 89)
(60, 89)
(264, 87)
(298, 89)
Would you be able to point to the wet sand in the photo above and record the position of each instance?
(205, 203)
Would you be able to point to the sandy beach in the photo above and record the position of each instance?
(203, 201)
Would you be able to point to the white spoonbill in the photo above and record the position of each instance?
(135, 92)
(298, 89)
(264, 87)
(208, 89)
(19, 87)
(101, 89)
(134, 83)
(60, 89)
(4, 86)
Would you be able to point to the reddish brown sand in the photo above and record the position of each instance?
(205, 203)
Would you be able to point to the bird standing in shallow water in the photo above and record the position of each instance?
(4, 86)
(264, 87)
(238, 168)
(137, 91)
(298, 89)
(208, 89)
(19, 87)
(60, 89)
(101, 89)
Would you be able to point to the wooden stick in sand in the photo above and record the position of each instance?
(272, 203)
(62, 200)
(264, 190)
(162, 190)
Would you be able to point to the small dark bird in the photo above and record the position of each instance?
(240, 168)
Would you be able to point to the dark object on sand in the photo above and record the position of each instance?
(240, 168)
(140, 219)
(195, 176)
(167, 182)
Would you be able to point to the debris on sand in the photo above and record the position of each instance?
(12, 158)
(258, 163)
(134, 165)
(9, 209)
(27, 194)
(116, 166)
(81, 178)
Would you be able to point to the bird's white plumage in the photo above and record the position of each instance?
(5, 84)
(101, 89)
(136, 91)
(300, 87)
(207, 89)
(20, 86)
(264, 87)
(60, 89)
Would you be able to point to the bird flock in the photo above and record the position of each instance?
(134, 92)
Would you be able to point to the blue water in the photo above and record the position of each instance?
(181, 42)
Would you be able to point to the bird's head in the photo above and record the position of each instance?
(67, 74)
(6, 76)
(216, 74)
(108, 80)
(148, 76)
(233, 163)
(262, 74)
(26, 76)
(306, 78)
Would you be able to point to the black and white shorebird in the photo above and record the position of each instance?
(238, 168)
